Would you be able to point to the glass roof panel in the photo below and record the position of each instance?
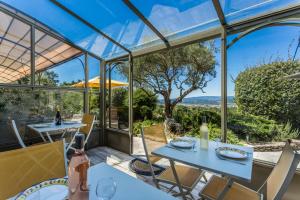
(49, 14)
(175, 19)
(237, 10)
(115, 19)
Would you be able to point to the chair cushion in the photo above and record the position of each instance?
(188, 176)
(236, 192)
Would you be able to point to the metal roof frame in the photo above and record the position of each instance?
(236, 27)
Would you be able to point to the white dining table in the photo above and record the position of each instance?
(52, 128)
(128, 187)
(207, 159)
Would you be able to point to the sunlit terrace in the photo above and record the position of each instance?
(154, 99)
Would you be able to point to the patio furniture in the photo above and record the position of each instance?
(207, 159)
(128, 187)
(22, 168)
(48, 128)
(17, 134)
(88, 121)
(154, 137)
(273, 189)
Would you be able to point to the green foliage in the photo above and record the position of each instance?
(118, 96)
(262, 91)
(144, 103)
(286, 132)
(192, 116)
(139, 124)
(215, 133)
(258, 128)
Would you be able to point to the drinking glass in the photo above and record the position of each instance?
(106, 188)
(218, 141)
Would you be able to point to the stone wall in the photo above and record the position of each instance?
(274, 146)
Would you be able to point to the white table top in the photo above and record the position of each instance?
(53, 127)
(208, 160)
(127, 187)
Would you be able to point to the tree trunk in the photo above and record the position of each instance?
(168, 108)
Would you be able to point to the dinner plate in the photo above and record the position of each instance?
(230, 152)
(71, 122)
(41, 125)
(183, 143)
(54, 189)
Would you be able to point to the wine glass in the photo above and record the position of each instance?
(106, 188)
(218, 141)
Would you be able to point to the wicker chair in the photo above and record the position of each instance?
(273, 189)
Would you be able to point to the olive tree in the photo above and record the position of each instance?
(184, 69)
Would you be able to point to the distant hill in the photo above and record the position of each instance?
(205, 100)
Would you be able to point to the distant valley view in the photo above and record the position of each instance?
(210, 101)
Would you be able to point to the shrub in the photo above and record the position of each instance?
(143, 104)
(118, 95)
(215, 133)
(263, 91)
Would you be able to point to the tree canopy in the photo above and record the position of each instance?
(184, 69)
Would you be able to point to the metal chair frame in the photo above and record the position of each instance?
(173, 185)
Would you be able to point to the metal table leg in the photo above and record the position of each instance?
(226, 188)
(50, 139)
(177, 179)
(43, 138)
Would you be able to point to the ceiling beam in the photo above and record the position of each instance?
(89, 25)
(146, 21)
(219, 11)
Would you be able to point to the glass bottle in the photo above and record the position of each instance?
(204, 135)
(77, 173)
(57, 118)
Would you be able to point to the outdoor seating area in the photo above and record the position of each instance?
(158, 99)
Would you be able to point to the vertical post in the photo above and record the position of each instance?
(224, 84)
(32, 54)
(102, 100)
(86, 80)
(109, 96)
(130, 93)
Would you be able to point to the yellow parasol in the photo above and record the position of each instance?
(95, 83)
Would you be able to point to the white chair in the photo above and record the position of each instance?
(17, 134)
(89, 121)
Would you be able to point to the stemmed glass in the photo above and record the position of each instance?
(106, 188)
(218, 141)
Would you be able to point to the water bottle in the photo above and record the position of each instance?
(204, 135)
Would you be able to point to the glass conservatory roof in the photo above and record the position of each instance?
(114, 28)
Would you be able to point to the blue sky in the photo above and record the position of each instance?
(256, 48)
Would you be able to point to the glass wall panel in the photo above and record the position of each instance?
(27, 106)
(241, 10)
(177, 89)
(263, 105)
(94, 88)
(175, 19)
(117, 108)
(14, 51)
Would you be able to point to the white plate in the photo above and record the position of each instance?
(183, 143)
(70, 122)
(230, 152)
(55, 189)
(41, 125)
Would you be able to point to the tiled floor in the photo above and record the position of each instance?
(121, 161)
